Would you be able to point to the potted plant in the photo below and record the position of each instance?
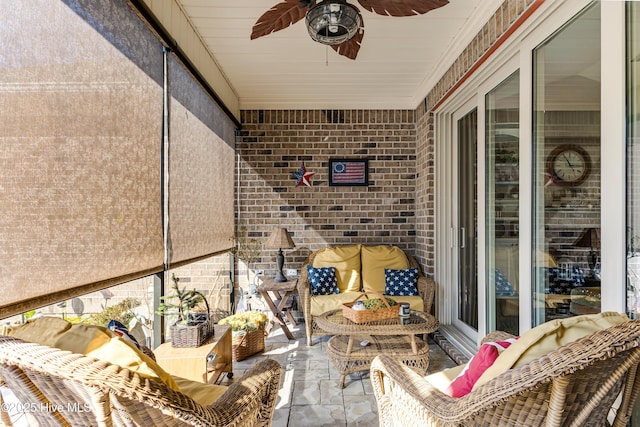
(191, 329)
(247, 333)
(246, 249)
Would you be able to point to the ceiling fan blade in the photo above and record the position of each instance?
(401, 7)
(351, 47)
(279, 17)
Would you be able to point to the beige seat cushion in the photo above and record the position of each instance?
(323, 303)
(375, 259)
(547, 337)
(204, 394)
(442, 379)
(93, 341)
(415, 302)
(346, 261)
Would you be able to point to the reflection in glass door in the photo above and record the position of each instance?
(502, 207)
(633, 159)
(566, 228)
(468, 220)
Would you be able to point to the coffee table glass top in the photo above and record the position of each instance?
(416, 323)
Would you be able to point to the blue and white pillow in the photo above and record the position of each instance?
(322, 280)
(577, 276)
(401, 283)
(503, 286)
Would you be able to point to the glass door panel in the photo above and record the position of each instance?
(566, 220)
(633, 159)
(502, 216)
(468, 220)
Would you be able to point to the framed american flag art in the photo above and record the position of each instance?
(348, 172)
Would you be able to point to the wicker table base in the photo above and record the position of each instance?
(358, 358)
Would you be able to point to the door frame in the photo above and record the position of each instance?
(518, 50)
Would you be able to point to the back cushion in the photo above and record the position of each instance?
(375, 259)
(547, 337)
(346, 261)
(93, 341)
(479, 363)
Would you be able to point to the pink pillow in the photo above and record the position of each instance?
(479, 363)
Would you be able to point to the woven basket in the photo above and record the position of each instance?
(246, 345)
(193, 335)
(382, 311)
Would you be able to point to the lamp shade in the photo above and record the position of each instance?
(279, 239)
(332, 22)
(590, 238)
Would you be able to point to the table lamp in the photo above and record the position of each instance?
(590, 238)
(280, 240)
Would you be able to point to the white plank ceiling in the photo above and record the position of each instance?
(401, 58)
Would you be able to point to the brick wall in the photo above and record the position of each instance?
(425, 193)
(398, 206)
(273, 144)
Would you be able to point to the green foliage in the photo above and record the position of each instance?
(122, 312)
(371, 304)
(245, 248)
(506, 156)
(187, 301)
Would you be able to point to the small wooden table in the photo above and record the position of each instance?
(193, 363)
(396, 337)
(281, 304)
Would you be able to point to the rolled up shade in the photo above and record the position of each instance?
(200, 171)
(81, 106)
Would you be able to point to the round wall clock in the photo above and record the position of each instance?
(568, 165)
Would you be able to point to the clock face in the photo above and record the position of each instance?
(569, 165)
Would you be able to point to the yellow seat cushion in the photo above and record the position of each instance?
(547, 337)
(323, 303)
(375, 259)
(415, 302)
(93, 341)
(204, 394)
(346, 261)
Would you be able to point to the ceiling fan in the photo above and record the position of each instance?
(336, 22)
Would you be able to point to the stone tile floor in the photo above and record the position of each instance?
(309, 394)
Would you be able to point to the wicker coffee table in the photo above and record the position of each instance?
(396, 337)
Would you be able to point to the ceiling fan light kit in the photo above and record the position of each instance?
(335, 22)
(332, 22)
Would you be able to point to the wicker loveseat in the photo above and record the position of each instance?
(58, 388)
(358, 268)
(574, 385)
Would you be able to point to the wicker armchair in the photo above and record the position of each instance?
(575, 385)
(426, 289)
(91, 393)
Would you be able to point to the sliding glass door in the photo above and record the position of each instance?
(567, 173)
(467, 291)
(502, 117)
(633, 159)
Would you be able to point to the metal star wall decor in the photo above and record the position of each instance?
(302, 176)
